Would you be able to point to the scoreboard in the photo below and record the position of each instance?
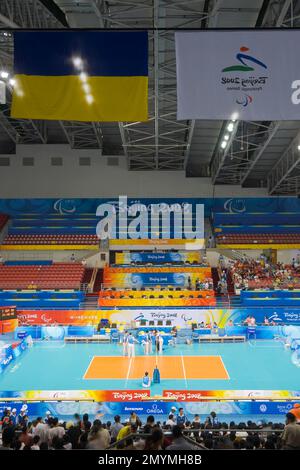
(8, 313)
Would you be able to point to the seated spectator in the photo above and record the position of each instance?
(134, 419)
(25, 437)
(73, 431)
(56, 430)
(170, 421)
(291, 434)
(98, 438)
(150, 421)
(179, 442)
(115, 428)
(8, 435)
(155, 441)
(35, 443)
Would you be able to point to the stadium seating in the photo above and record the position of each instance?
(51, 239)
(259, 228)
(258, 238)
(55, 276)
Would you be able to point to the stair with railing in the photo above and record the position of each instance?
(98, 281)
(215, 277)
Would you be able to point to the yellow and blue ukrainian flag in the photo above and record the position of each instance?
(81, 76)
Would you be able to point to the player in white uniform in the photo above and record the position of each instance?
(147, 343)
(125, 344)
(130, 345)
(160, 342)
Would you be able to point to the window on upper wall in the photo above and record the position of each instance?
(28, 161)
(84, 161)
(56, 161)
(4, 161)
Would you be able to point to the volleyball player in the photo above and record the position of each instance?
(130, 345)
(125, 344)
(146, 380)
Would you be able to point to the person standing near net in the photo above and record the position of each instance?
(159, 343)
(125, 344)
(131, 340)
(147, 342)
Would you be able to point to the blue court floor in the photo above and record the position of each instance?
(261, 365)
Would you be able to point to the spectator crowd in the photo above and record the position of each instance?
(260, 274)
(177, 433)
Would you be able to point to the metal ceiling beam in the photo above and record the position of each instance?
(82, 135)
(18, 14)
(270, 133)
(7, 22)
(289, 161)
(54, 9)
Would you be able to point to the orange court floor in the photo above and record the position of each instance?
(170, 367)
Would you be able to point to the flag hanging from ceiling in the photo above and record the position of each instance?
(81, 76)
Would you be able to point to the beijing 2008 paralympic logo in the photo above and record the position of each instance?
(245, 64)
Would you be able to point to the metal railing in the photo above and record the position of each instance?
(197, 432)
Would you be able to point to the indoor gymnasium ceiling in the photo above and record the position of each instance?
(260, 154)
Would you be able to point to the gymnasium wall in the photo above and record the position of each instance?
(99, 180)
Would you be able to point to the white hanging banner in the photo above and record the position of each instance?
(245, 75)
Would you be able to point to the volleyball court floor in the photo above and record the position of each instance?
(256, 365)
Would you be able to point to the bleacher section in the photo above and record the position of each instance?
(243, 230)
(53, 223)
(243, 240)
(55, 241)
(55, 276)
(159, 298)
(51, 231)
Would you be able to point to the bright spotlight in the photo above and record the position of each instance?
(78, 62)
(86, 87)
(83, 77)
(12, 81)
(89, 99)
(226, 137)
(223, 144)
(19, 92)
(230, 127)
(4, 74)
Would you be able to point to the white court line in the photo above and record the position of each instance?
(184, 372)
(272, 344)
(128, 372)
(89, 366)
(228, 376)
